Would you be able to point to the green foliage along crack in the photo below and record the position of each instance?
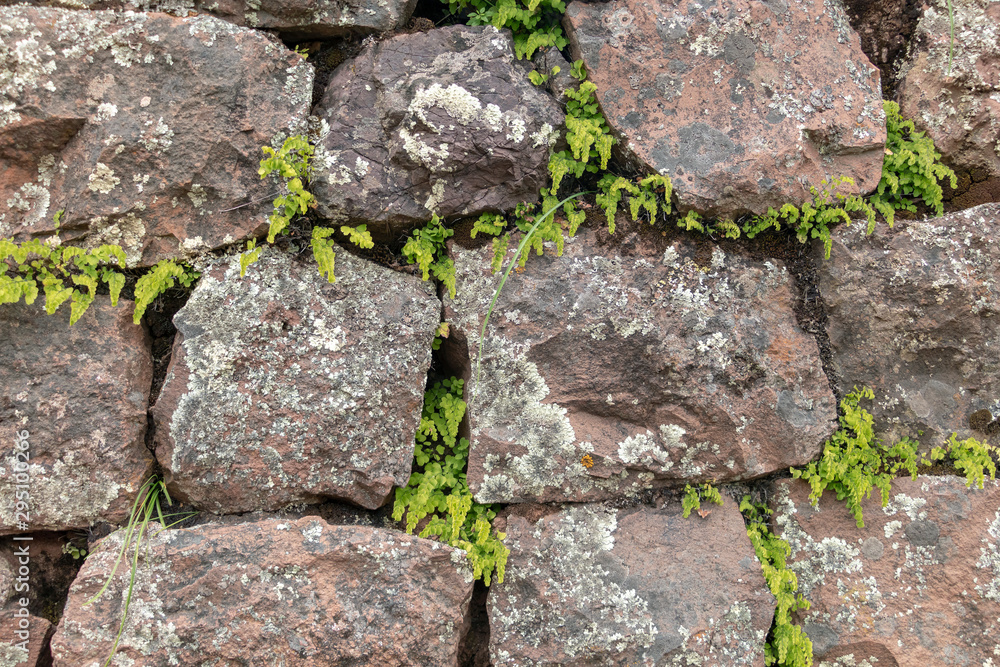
(533, 23)
(438, 491)
(855, 462)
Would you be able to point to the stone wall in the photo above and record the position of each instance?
(280, 409)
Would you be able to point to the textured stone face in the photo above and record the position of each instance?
(957, 104)
(647, 364)
(913, 314)
(744, 105)
(284, 592)
(918, 585)
(283, 388)
(439, 122)
(592, 585)
(142, 128)
(12, 651)
(293, 18)
(78, 396)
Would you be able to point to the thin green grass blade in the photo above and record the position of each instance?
(503, 280)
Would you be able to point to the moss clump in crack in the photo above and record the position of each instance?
(787, 645)
(439, 493)
(855, 462)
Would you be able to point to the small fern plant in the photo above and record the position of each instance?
(587, 133)
(911, 169)
(533, 23)
(439, 493)
(694, 495)
(787, 645)
(427, 248)
(163, 276)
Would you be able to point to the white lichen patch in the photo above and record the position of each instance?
(103, 179)
(989, 561)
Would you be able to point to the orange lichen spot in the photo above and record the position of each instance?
(587, 461)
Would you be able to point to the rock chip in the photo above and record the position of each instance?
(610, 369)
(438, 122)
(952, 92)
(918, 585)
(913, 314)
(591, 585)
(744, 106)
(285, 592)
(78, 396)
(145, 129)
(284, 388)
(294, 19)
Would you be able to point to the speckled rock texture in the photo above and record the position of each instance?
(744, 105)
(956, 105)
(23, 650)
(913, 314)
(652, 364)
(284, 388)
(919, 585)
(143, 128)
(294, 19)
(591, 585)
(439, 122)
(78, 395)
(273, 592)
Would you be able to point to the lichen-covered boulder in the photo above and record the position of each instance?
(744, 106)
(918, 585)
(284, 388)
(950, 88)
(77, 397)
(144, 129)
(913, 314)
(295, 19)
(611, 369)
(272, 592)
(592, 585)
(439, 122)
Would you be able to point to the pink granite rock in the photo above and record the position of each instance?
(591, 585)
(613, 369)
(77, 396)
(744, 104)
(294, 593)
(919, 585)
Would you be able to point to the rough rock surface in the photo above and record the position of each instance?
(959, 110)
(439, 122)
(744, 106)
(285, 592)
(913, 314)
(80, 393)
(651, 363)
(591, 585)
(284, 388)
(293, 18)
(143, 128)
(918, 585)
(23, 650)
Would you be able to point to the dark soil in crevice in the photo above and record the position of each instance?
(436, 13)
(885, 28)
(160, 319)
(51, 571)
(474, 649)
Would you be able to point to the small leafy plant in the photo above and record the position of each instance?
(148, 503)
(787, 644)
(651, 193)
(694, 495)
(163, 276)
(587, 133)
(427, 248)
(534, 23)
(439, 493)
(911, 168)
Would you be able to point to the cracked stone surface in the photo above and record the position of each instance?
(439, 122)
(296, 592)
(918, 585)
(591, 585)
(144, 129)
(652, 361)
(78, 396)
(913, 314)
(744, 106)
(284, 388)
